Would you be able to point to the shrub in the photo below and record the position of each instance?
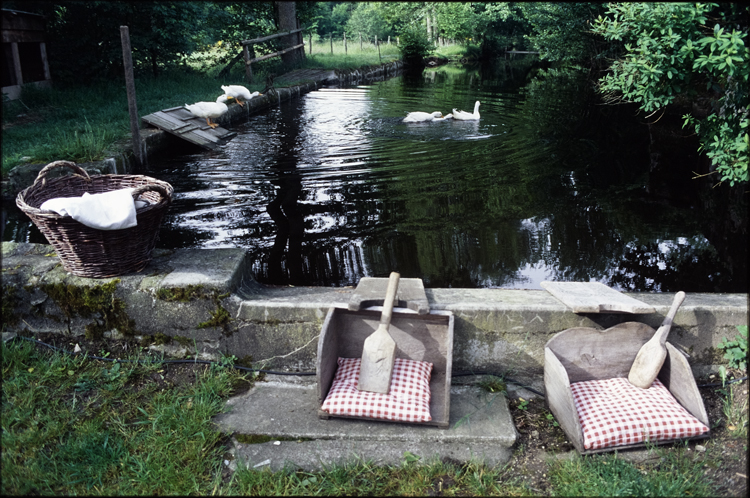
(414, 45)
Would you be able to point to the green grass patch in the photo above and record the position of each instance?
(677, 474)
(71, 425)
(83, 123)
(366, 479)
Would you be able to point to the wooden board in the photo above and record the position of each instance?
(370, 291)
(181, 123)
(427, 337)
(585, 353)
(594, 297)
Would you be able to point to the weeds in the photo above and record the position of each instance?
(735, 351)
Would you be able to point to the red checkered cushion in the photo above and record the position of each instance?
(614, 412)
(408, 399)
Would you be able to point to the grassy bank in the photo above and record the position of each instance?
(75, 425)
(81, 123)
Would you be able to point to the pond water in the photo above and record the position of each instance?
(547, 185)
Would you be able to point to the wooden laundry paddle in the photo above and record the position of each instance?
(651, 356)
(379, 352)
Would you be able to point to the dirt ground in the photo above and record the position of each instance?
(540, 440)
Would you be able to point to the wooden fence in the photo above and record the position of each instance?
(249, 53)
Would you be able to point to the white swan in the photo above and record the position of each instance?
(238, 92)
(465, 116)
(418, 117)
(209, 110)
(447, 116)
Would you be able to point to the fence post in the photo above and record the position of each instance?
(360, 42)
(378, 44)
(330, 37)
(345, 52)
(248, 67)
(389, 39)
(127, 60)
(310, 43)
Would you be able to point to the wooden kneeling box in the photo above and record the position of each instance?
(423, 337)
(584, 353)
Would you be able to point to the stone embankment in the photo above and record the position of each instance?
(206, 303)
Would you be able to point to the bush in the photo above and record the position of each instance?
(414, 45)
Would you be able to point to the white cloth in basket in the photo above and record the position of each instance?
(113, 210)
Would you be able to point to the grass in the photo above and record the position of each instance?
(73, 425)
(82, 123)
(678, 474)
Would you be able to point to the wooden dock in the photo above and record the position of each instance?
(180, 122)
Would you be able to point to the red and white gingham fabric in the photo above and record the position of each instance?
(614, 412)
(408, 399)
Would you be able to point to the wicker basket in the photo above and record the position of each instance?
(90, 252)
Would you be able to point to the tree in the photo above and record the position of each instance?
(692, 52)
(366, 19)
(286, 20)
(560, 31)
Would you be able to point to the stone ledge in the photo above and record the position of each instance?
(500, 330)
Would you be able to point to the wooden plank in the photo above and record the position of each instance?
(270, 37)
(589, 354)
(258, 59)
(594, 297)
(560, 398)
(180, 122)
(370, 291)
(677, 376)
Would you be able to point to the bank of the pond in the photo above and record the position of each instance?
(122, 159)
(205, 303)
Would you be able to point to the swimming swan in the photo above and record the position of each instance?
(418, 117)
(465, 116)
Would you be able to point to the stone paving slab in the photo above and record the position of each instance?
(481, 427)
(219, 269)
(318, 455)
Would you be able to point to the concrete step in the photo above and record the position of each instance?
(481, 429)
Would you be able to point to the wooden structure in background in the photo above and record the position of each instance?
(247, 47)
(24, 52)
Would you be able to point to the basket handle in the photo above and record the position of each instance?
(77, 170)
(146, 188)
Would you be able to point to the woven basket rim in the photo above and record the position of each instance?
(55, 182)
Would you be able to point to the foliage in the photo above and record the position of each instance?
(414, 44)
(366, 19)
(671, 52)
(735, 351)
(559, 31)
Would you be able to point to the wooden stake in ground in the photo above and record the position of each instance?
(127, 61)
(379, 352)
(651, 356)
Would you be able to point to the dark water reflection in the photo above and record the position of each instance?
(548, 185)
